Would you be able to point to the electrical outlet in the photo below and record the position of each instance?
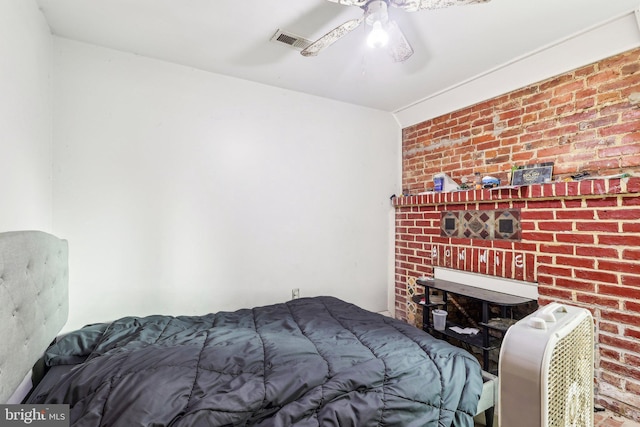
(295, 293)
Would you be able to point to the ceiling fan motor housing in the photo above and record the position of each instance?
(376, 11)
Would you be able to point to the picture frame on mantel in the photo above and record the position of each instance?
(532, 174)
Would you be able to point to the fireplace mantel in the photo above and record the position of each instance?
(591, 188)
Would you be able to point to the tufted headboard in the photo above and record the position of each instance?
(34, 301)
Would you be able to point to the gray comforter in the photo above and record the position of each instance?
(308, 362)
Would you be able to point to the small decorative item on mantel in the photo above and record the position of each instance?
(464, 184)
(477, 180)
(490, 182)
(532, 174)
(443, 183)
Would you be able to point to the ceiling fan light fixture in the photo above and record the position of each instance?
(378, 36)
(377, 16)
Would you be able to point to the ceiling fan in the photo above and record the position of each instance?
(384, 31)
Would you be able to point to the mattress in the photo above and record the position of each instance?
(307, 362)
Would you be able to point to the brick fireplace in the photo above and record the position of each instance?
(578, 240)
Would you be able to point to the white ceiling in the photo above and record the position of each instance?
(232, 37)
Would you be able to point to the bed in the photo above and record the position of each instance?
(307, 362)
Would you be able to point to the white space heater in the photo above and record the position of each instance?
(546, 369)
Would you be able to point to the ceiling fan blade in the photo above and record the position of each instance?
(439, 4)
(398, 47)
(415, 5)
(358, 3)
(331, 37)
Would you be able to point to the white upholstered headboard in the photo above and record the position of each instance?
(34, 301)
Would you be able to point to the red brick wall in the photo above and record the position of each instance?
(584, 120)
(580, 240)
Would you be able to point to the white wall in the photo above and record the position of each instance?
(25, 117)
(183, 192)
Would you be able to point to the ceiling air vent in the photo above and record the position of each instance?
(289, 39)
